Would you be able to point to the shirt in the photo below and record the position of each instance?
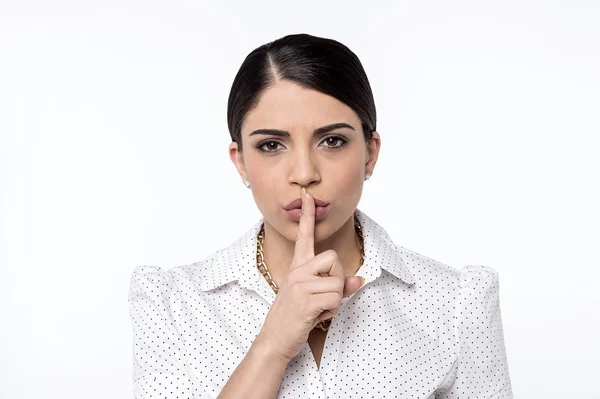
(417, 328)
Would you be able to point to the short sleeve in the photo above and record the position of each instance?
(482, 368)
(159, 358)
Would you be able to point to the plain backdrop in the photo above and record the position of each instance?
(113, 154)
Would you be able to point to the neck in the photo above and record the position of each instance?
(278, 251)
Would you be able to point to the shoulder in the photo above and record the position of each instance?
(161, 279)
(479, 284)
(423, 267)
(218, 268)
(151, 284)
(478, 274)
(149, 278)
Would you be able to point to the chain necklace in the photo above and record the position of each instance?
(262, 266)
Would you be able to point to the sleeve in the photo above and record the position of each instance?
(482, 368)
(159, 357)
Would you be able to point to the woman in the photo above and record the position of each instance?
(315, 300)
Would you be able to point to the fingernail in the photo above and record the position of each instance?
(304, 191)
(362, 279)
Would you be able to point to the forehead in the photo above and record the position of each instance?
(289, 106)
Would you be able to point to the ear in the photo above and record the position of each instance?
(373, 147)
(237, 157)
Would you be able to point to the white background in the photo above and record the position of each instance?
(113, 154)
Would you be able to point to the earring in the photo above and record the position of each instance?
(367, 176)
(247, 183)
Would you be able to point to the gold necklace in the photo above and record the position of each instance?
(262, 266)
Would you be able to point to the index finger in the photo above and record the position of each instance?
(305, 240)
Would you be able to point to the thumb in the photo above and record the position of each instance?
(353, 284)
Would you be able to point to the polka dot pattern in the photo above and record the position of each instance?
(416, 329)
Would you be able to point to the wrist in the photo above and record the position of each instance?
(264, 348)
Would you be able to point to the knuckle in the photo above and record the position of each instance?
(338, 298)
(315, 307)
(296, 288)
(297, 274)
(333, 300)
(293, 286)
(292, 275)
(331, 254)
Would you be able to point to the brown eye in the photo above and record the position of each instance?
(331, 140)
(271, 146)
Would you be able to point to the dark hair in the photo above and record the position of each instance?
(312, 62)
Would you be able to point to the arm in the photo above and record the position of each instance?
(160, 367)
(259, 375)
(482, 368)
(159, 357)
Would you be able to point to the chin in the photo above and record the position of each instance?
(324, 228)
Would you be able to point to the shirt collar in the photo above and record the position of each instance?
(238, 261)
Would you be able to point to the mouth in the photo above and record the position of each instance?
(297, 204)
(296, 213)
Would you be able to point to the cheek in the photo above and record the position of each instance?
(265, 176)
(260, 170)
(346, 174)
(344, 184)
(264, 179)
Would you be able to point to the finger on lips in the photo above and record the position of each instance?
(305, 242)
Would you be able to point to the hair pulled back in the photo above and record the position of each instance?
(312, 62)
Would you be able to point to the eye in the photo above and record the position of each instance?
(334, 139)
(272, 146)
(261, 146)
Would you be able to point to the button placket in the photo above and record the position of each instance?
(329, 359)
(323, 378)
(314, 381)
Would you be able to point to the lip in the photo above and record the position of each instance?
(296, 213)
(297, 204)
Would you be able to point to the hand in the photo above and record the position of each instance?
(312, 290)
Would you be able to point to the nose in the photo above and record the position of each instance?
(303, 169)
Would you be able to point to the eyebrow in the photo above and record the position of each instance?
(317, 132)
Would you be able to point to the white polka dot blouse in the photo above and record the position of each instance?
(417, 328)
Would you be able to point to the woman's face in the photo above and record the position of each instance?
(331, 165)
